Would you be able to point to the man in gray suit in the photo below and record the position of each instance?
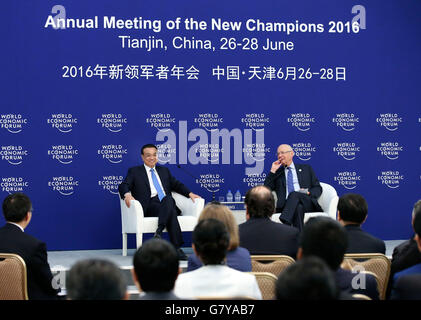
(296, 187)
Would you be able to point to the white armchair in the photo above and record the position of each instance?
(328, 201)
(134, 221)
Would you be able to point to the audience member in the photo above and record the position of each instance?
(407, 254)
(352, 213)
(259, 234)
(325, 238)
(237, 257)
(95, 279)
(155, 269)
(214, 279)
(407, 283)
(17, 210)
(307, 279)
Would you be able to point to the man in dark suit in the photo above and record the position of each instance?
(407, 283)
(296, 187)
(151, 185)
(17, 210)
(352, 213)
(326, 238)
(259, 234)
(96, 279)
(155, 269)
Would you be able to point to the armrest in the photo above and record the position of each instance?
(333, 207)
(131, 218)
(186, 205)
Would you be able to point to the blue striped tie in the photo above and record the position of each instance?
(290, 181)
(157, 186)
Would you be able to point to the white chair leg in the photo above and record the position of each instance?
(139, 238)
(124, 244)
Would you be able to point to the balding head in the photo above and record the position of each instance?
(259, 202)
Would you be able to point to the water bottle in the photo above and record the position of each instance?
(229, 196)
(237, 196)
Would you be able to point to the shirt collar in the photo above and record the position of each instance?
(148, 169)
(17, 225)
(292, 166)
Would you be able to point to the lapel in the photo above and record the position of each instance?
(145, 177)
(299, 171)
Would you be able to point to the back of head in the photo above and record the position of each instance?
(95, 279)
(352, 208)
(307, 279)
(224, 214)
(260, 202)
(16, 206)
(156, 266)
(417, 218)
(211, 241)
(325, 238)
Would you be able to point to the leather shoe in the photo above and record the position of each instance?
(181, 254)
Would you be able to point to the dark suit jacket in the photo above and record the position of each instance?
(34, 253)
(137, 183)
(264, 236)
(405, 255)
(408, 287)
(306, 178)
(360, 241)
(345, 284)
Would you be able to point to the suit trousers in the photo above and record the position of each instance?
(296, 205)
(166, 212)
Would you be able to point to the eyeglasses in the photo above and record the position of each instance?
(283, 152)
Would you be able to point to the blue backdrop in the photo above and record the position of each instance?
(339, 81)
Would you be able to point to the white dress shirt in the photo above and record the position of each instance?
(153, 189)
(216, 281)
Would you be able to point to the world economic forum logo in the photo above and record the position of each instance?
(303, 150)
(347, 179)
(62, 122)
(391, 150)
(346, 121)
(13, 154)
(166, 152)
(161, 121)
(255, 121)
(113, 122)
(65, 185)
(13, 184)
(110, 183)
(65, 154)
(391, 178)
(301, 121)
(254, 179)
(347, 150)
(14, 123)
(114, 153)
(212, 182)
(208, 121)
(389, 121)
